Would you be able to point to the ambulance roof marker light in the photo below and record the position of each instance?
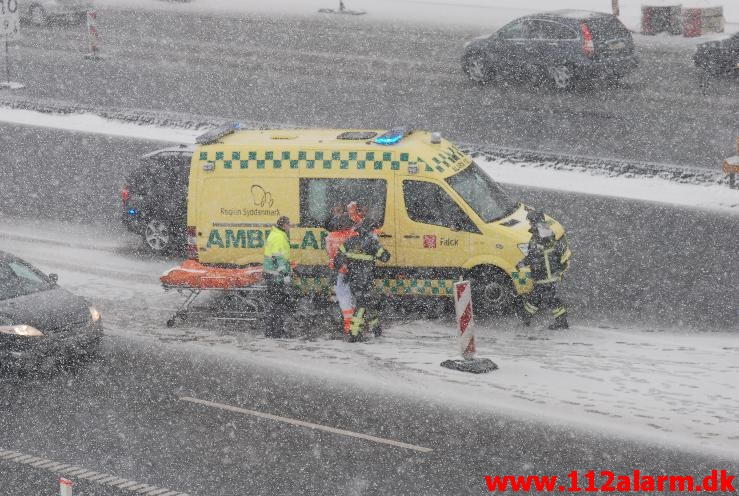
(435, 138)
(392, 136)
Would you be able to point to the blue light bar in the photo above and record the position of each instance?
(391, 137)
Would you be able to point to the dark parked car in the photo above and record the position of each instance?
(155, 198)
(719, 57)
(41, 12)
(41, 323)
(562, 46)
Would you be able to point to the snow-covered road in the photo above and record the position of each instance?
(673, 387)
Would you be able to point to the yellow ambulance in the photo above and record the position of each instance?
(442, 217)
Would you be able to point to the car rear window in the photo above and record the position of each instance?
(607, 28)
(547, 30)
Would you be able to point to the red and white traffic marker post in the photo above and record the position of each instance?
(65, 487)
(9, 33)
(466, 327)
(93, 36)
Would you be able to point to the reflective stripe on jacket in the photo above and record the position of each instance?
(277, 253)
(545, 261)
(359, 254)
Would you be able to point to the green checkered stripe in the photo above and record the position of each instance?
(521, 278)
(426, 287)
(445, 159)
(310, 159)
(423, 287)
(313, 284)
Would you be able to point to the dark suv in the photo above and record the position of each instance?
(719, 57)
(155, 198)
(563, 46)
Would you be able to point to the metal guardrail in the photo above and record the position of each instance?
(605, 165)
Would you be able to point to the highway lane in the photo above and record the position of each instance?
(355, 73)
(636, 263)
(122, 415)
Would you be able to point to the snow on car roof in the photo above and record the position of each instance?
(574, 14)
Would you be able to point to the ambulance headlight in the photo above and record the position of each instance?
(21, 330)
(94, 314)
(524, 247)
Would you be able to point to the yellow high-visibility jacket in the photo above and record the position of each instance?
(277, 253)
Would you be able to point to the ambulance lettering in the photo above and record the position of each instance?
(237, 240)
(254, 238)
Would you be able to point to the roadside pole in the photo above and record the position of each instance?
(342, 10)
(65, 487)
(93, 36)
(614, 7)
(466, 328)
(9, 32)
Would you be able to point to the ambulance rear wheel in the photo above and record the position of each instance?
(157, 236)
(492, 292)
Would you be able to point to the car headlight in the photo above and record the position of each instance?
(21, 330)
(524, 247)
(94, 314)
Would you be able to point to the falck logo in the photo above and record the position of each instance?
(429, 241)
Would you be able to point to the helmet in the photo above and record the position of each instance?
(283, 222)
(534, 217)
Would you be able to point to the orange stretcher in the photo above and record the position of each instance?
(242, 289)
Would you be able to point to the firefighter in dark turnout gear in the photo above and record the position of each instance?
(544, 258)
(359, 254)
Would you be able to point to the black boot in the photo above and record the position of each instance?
(559, 323)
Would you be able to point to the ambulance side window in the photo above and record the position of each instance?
(314, 206)
(319, 197)
(428, 203)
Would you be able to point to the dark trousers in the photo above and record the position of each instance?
(543, 296)
(277, 307)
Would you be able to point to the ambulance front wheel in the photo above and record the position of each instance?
(492, 292)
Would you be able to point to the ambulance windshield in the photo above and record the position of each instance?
(482, 194)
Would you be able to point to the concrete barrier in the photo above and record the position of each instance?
(660, 18)
(701, 20)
